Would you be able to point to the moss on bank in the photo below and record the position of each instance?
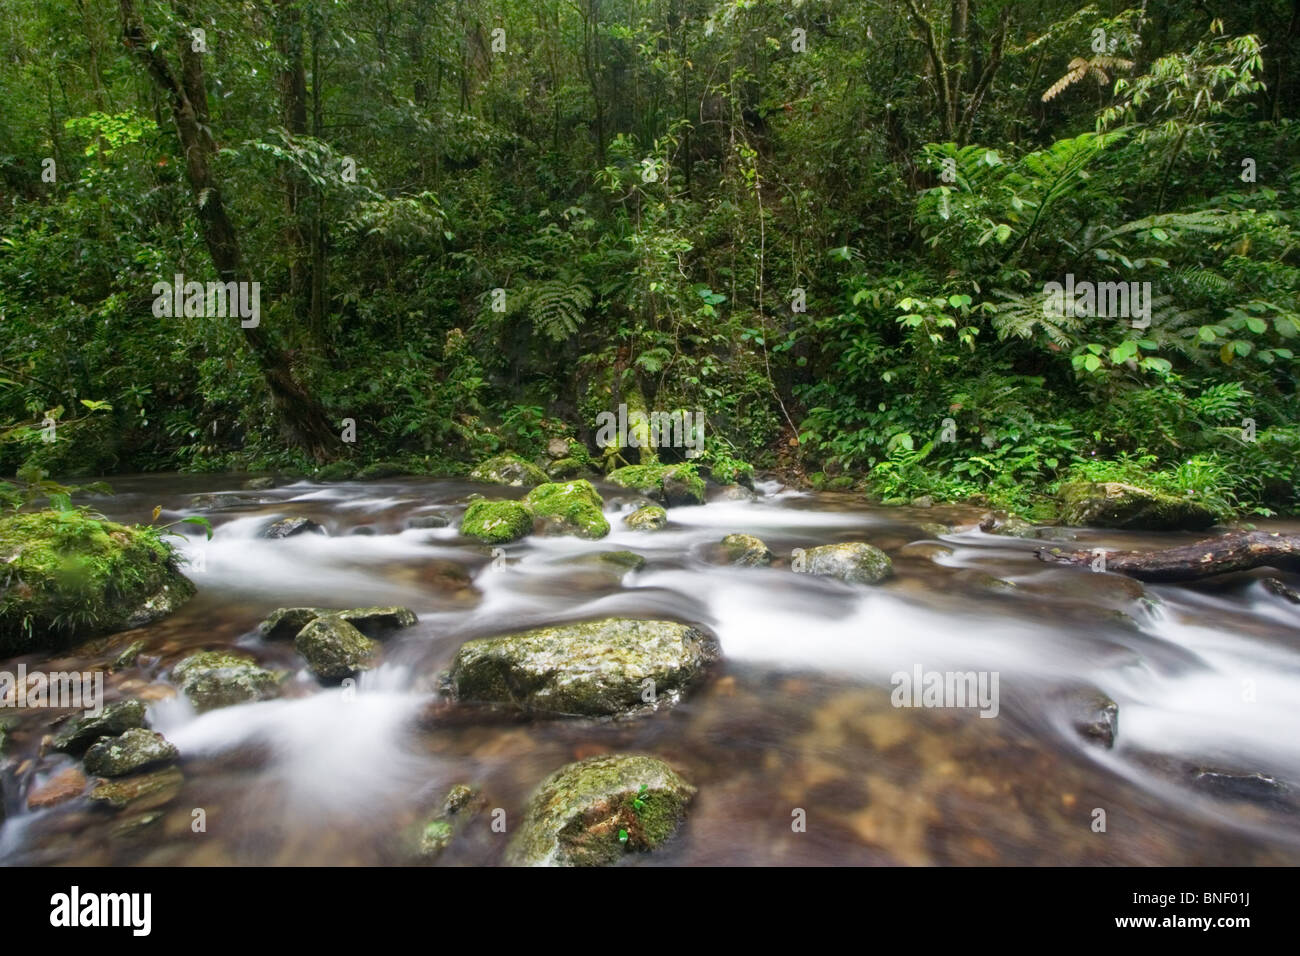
(67, 575)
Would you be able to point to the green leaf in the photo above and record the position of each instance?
(202, 522)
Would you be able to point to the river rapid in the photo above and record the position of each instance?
(794, 741)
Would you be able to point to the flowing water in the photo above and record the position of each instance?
(797, 716)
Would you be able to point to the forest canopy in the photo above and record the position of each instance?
(912, 247)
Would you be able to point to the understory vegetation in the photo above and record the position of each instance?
(828, 225)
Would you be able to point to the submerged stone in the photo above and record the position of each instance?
(599, 811)
(600, 668)
(509, 470)
(334, 649)
(854, 562)
(134, 750)
(571, 507)
(69, 577)
(213, 679)
(1096, 717)
(496, 522)
(1113, 504)
(285, 622)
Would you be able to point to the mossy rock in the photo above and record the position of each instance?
(612, 667)
(571, 507)
(649, 518)
(509, 470)
(290, 528)
(285, 622)
(213, 679)
(1113, 504)
(335, 471)
(140, 792)
(382, 469)
(496, 522)
(732, 472)
(129, 753)
(745, 551)
(567, 469)
(334, 649)
(668, 484)
(116, 719)
(600, 811)
(71, 577)
(853, 562)
(621, 561)
(1008, 525)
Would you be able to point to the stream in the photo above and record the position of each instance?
(796, 716)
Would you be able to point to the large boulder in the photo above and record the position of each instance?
(854, 562)
(133, 751)
(496, 522)
(213, 679)
(334, 649)
(69, 577)
(596, 669)
(571, 507)
(509, 470)
(1113, 504)
(668, 484)
(598, 811)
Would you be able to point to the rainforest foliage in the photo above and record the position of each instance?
(828, 225)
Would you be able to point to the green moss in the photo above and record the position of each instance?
(496, 522)
(1113, 504)
(571, 507)
(336, 471)
(566, 469)
(509, 470)
(732, 471)
(67, 575)
(671, 484)
(382, 469)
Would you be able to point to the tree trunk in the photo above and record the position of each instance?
(1237, 551)
(302, 416)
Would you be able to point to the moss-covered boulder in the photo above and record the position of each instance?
(571, 507)
(854, 562)
(509, 470)
(600, 811)
(382, 469)
(603, 668)
(334, 649)
(115, 719)
(649, 518)
(733, 472)
(669, 484)
(1113, 504)
(496, 522)
(213, 679)
(745, 551)
(129, 753)
(67, 576)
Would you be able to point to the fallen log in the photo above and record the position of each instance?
(1236, 551)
